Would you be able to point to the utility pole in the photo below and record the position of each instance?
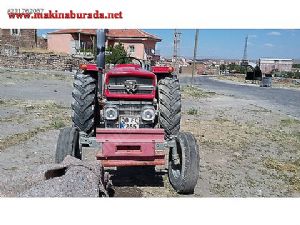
(176, 47)
(245, 60)
(245, 56)
(79, 40)
(195, 54)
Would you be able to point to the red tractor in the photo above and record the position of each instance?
(133, 117)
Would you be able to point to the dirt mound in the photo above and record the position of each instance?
(71, 178)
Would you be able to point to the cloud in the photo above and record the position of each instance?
(274, 33)
(268, 45)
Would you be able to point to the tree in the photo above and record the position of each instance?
(296, 66)
(222, 67)
(116, 54)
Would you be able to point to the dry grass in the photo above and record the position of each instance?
(38, 50)
(220, 132)
(54, 116)
(289, 122)
(237, 78)
(192, 111)
(19, 75)
(196, 92)
(287, 171)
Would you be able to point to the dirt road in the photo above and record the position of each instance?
(247, 150)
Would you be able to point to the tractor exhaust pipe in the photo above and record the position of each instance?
(100, 59)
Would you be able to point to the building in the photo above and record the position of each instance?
(71, 41)
(269, 65)
(21, 38)
(138, 43)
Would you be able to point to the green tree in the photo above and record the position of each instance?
(296, 65)
(116, 54)
(222, 67)
(232, 67)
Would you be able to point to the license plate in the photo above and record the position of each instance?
(129, 122)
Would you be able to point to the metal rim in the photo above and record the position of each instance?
(177, 169)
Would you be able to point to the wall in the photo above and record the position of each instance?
(26, 39)
(200, 69)
(138, 49)
(64, 43)
(42, 61)
(60, 43)
(8, 50)
(41, 43)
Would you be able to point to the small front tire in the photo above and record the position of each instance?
(67, 144)
(184, 175)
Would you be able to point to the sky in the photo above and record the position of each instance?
(229, 44)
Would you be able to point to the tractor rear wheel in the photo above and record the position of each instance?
(169, 105)
(84, 113)
(184, 174)
(67, 144)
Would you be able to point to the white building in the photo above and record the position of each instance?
(268, 65)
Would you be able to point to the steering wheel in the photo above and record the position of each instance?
(130, 57)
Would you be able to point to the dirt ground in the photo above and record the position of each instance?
(246, 150)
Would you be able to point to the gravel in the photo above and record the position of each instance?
(71, 178)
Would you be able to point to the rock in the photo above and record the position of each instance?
(29, 107)
(236, 154)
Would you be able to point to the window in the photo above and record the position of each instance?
(131, 49)
(15, 31)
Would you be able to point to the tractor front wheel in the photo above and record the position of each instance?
(68, 144)
(169, 105)
(184, 172)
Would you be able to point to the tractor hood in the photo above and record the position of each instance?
(130, 82)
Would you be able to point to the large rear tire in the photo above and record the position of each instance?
(84, 114)
(67, 144)
(169, 105)
(184, 176)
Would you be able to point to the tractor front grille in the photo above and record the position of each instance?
(130, 85)
(130, 108)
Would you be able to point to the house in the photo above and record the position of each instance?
(21, 38)
(71, 41)
(269, 65)
(138, 43)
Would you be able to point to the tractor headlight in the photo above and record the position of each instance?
(111, 113)
(148, 114)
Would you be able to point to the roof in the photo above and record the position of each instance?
(131, 33)
(112, 33)
(74, 31)
(275, 59)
